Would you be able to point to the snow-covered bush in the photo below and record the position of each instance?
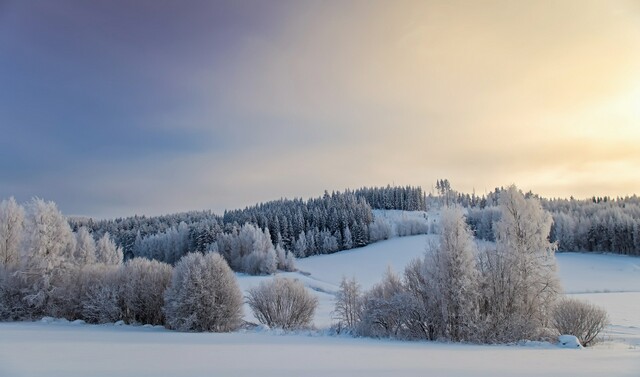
(143, 283)
(282, 303)
(579, 318)
(380, 229)
(203, 296)
(99, 301)
(348, 307)
(411, 227)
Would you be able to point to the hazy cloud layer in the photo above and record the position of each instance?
(112, 108)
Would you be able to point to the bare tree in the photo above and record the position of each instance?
(581, 319)
(348, 307)
(282, 303)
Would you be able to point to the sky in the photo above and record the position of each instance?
(114, 108)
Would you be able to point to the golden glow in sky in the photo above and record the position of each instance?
(156, 107)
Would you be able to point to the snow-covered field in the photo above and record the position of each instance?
(60, 348)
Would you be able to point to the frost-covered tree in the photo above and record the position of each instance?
(282, 303)
(11, 232)
(300, 248)
(519, 277)
(385, 308)
(85, 250)
(286, 260)
(348, 307)
(143, 283)
(249, 250)
(203, 295)
(453, 278)
(46, 252)
(347, 239)
(107, 252)
(99, 293)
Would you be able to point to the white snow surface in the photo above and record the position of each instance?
(60, 348)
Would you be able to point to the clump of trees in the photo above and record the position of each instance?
(46, 269)
(250, 250)
(282, 303)
(459, 293)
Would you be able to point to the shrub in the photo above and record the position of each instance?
(144, 282)
(203, 295)
(282, 303)
(579, 318)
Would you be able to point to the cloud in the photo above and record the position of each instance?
(153, 107)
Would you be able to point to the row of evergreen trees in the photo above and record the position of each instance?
(406, 198)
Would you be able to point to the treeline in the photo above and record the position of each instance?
(598, 224)
(593, 225)
(406, 198)
(129, 232)
(324, 225)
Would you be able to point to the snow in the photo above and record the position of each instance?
(590, 272)
(54, 347)
(569, 341)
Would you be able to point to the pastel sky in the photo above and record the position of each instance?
(112, 108)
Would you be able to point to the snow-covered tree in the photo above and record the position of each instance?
(286, 260)
(347, 239)
(107, 252)
(47, 250)
(85, 250)
(203, 295)
(300, 248)
(453, 278)
(519, 277)
(11, 232)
